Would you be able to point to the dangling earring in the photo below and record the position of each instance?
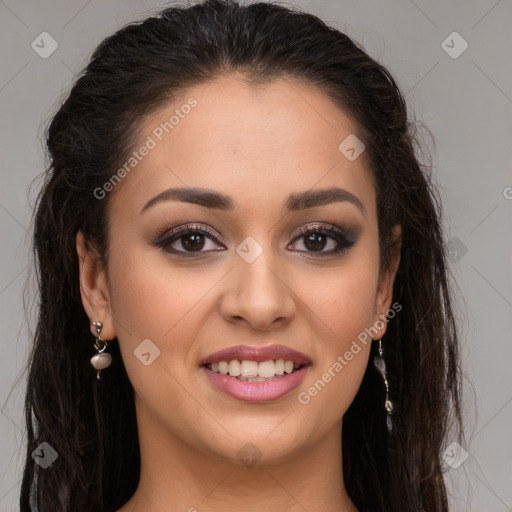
(100, 360)
(380, 364)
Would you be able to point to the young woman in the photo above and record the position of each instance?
(244, 300)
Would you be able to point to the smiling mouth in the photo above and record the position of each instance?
(254, 371)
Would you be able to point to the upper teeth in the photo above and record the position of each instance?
(247, 368)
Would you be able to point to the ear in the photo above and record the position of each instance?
(94, 289)
(384, 294)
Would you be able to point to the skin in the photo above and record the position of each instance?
(257, 146)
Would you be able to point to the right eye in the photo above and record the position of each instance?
(187, 240)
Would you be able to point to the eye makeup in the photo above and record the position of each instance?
(192, 236)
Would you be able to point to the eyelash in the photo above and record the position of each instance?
(333, 232)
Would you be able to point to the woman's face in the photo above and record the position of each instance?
(271, 162)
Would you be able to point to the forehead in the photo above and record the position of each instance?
(255, 144)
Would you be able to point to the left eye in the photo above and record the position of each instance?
(315, 239)
(192, 239)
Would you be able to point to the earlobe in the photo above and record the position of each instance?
(93, 287)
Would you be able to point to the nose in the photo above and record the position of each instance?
(258, 295)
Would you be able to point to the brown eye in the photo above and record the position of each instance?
(317, 238)
(315, 241)
(187, 240)
(192, 242)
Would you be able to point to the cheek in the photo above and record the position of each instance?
(345, 297)
(150, 295)
(352, 303)
(345, 304)
(156, 302)
(153, 300)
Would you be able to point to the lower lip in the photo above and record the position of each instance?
(256, 391)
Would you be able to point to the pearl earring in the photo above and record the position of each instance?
(100, 360)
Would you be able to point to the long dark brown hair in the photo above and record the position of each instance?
(91, 424)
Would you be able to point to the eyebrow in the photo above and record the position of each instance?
(210, 198)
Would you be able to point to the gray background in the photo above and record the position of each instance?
(465, 101)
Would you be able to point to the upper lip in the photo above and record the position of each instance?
(254, 353)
